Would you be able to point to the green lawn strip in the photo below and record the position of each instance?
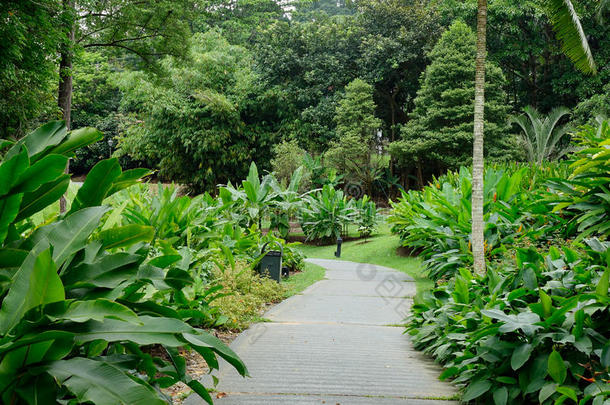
(379, 249)
(300, 281)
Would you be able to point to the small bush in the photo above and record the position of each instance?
(288, 156)
(245, 295)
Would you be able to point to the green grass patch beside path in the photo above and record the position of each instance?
(300, 281)
(380, 249)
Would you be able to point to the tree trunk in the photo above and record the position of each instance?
(477, 237)
(64, 95)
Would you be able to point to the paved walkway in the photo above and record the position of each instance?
(336, 343)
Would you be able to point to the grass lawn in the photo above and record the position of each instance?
(300, 281)
(379, 249)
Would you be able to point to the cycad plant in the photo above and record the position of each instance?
(542, 134)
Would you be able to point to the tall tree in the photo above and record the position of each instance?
(439, 134)
(352, 154)
(478, 226)
(148, 29)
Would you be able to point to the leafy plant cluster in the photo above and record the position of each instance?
(533, 334)
(79, 306)
(534, 328)
(328, 212)
(322, 213)
(436, 221)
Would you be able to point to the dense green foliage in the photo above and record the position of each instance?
(30, 35)
(533, 329)
(254, 74)
(78, 303)
(194, 123)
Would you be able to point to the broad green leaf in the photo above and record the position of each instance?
(125, 236)
(547, 303)
(203, 339)
(200, 390)
(42, 197)
(579, 322)
(150, 330)
(40, 391)
(476, 389)
(101, 383)
(9, 210)
(71, 234)
(46, 170)
(178, 278)
(568, 392)
(127, 179)
(521, 355)
(603, 284)
(165, 261)
(41, 139)
(11, 169)
(546, 392)
(82, 311)
(448, 373)
(47, 335)
(11, 258)
(35, 283)
(97, 184)
(557, 368)
(77, 139)
(500, 396)
(584, 344)
(109, 271)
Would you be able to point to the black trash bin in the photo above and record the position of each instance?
(270, 264)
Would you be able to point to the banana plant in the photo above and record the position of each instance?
(326, 213)
(254, 197)
(75, 315)
(287, 204)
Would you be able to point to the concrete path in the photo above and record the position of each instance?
(336, 343)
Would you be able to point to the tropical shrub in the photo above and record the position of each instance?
(436, 221)
(533, 329)
(76, 313)
(244, 295)
(534, 334)
(584, 196)
(325, 213)
(366, 216)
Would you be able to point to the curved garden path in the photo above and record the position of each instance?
(336, 343)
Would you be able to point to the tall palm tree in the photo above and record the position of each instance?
(542, 134)
(477, 238)
(568, 29)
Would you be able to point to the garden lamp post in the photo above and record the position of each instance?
(339, 242)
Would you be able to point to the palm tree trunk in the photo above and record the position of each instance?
(477, 237)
